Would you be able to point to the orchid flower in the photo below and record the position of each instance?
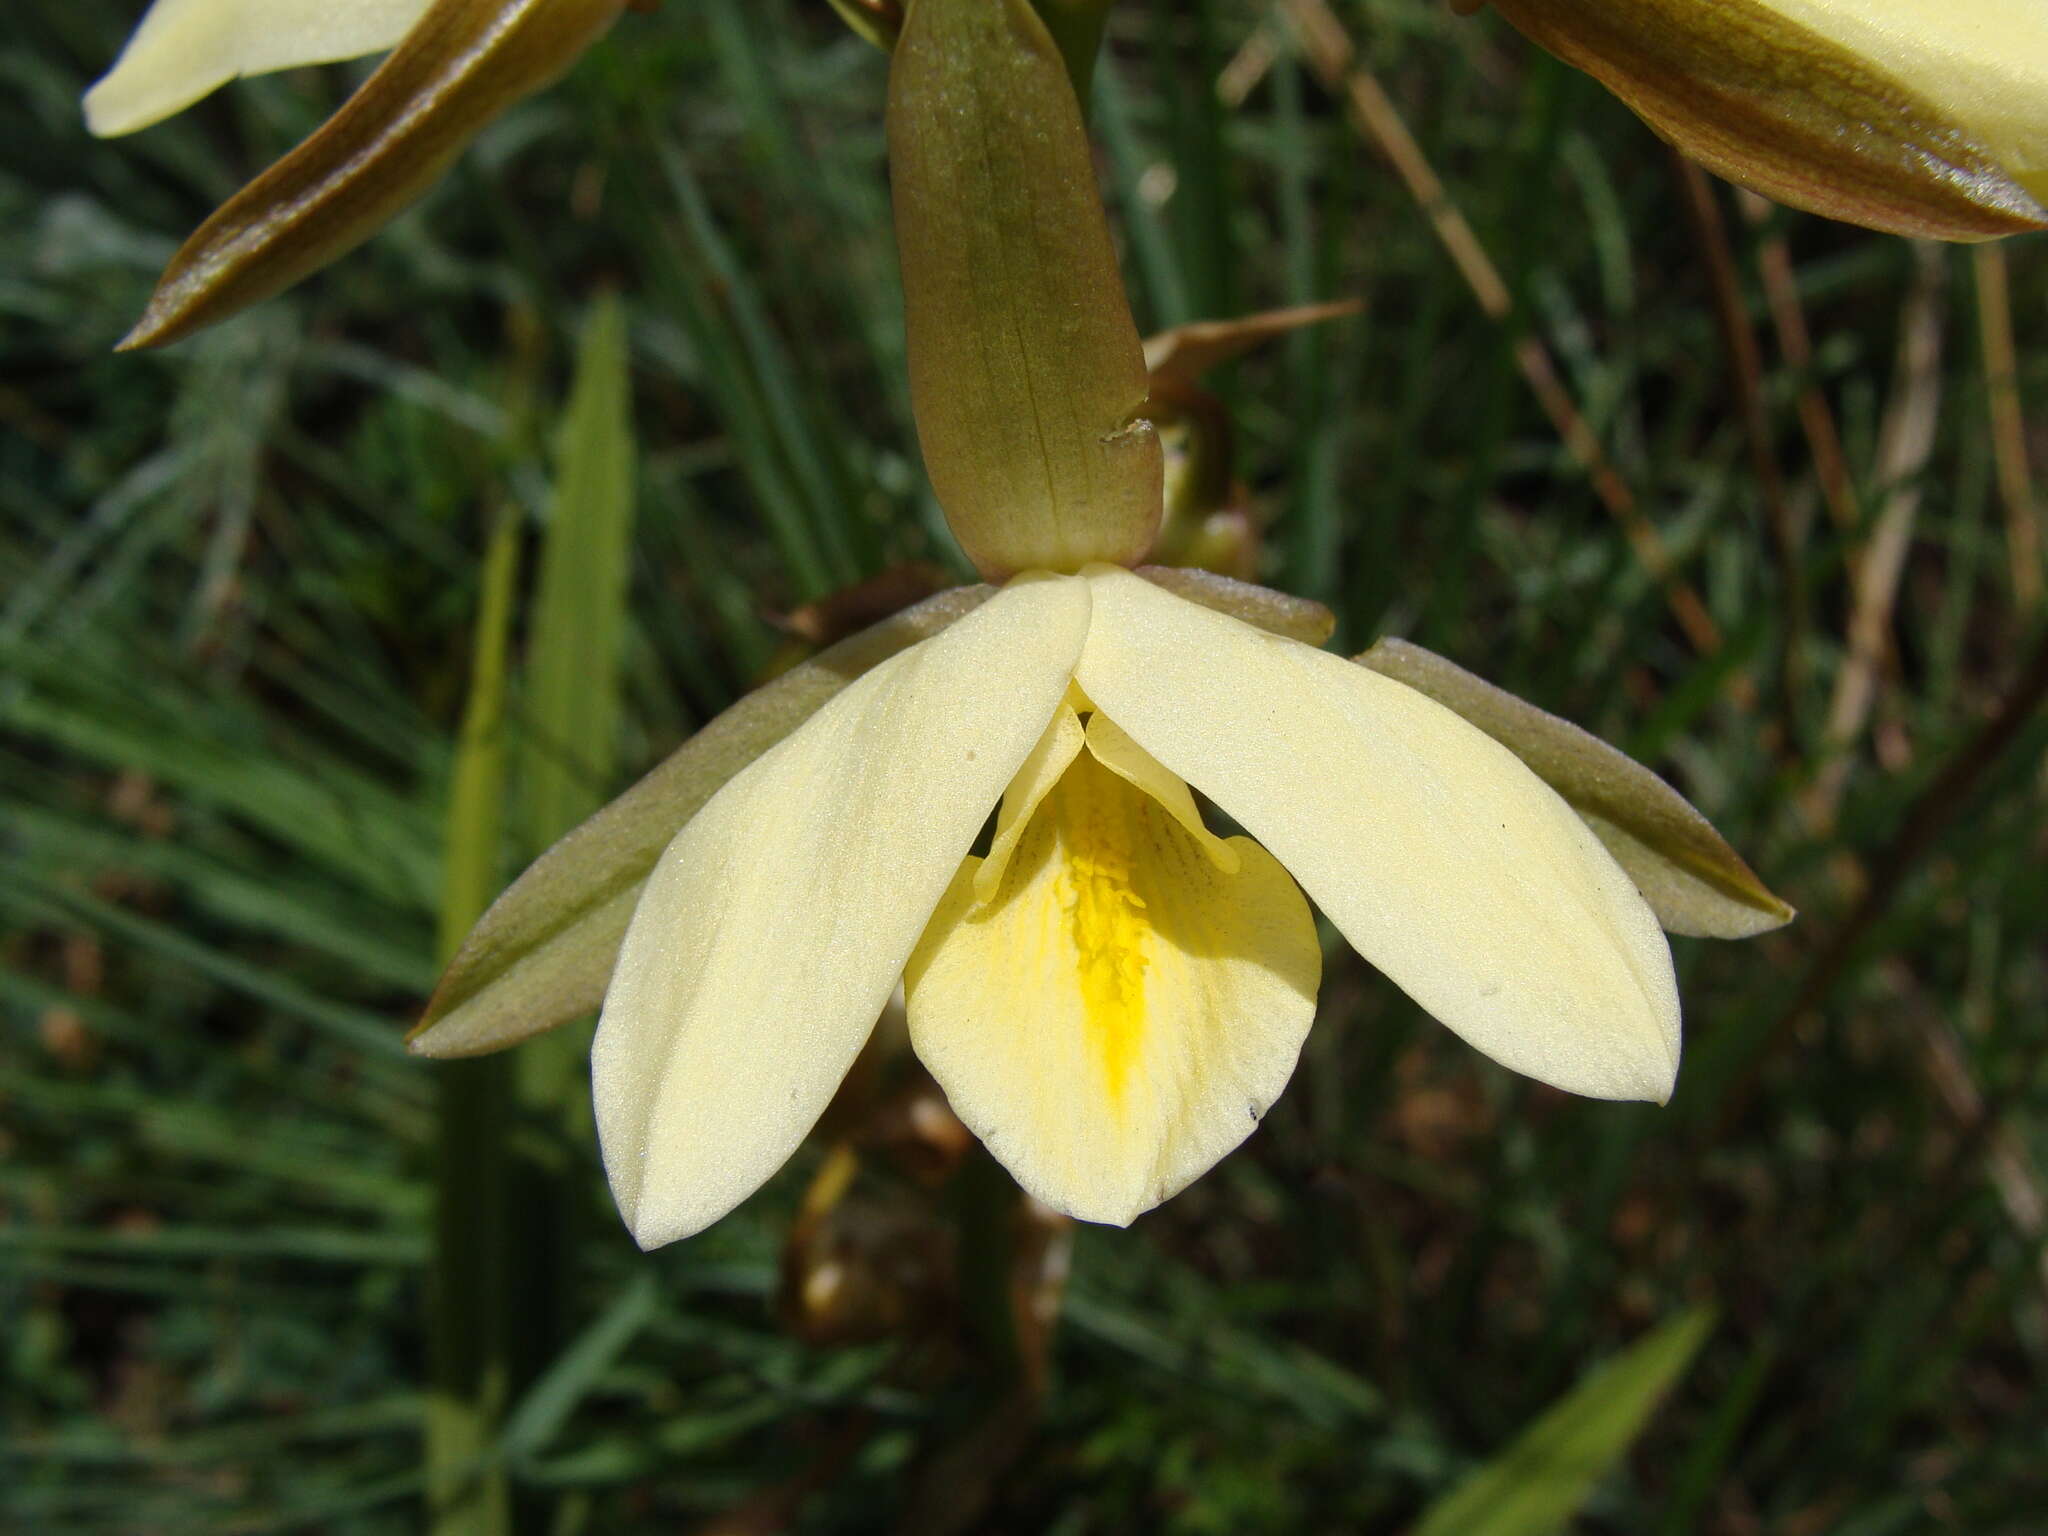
(454, 65)
(184, 49)
(1110, 992)
(1926, 117)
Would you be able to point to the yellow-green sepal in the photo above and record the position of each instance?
(543, 953)
(1925, 120)
(1695, 883)
(1026, 373)
(1278, 613)
(463, 63)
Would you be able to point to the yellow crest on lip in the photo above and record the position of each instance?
(1098, 825)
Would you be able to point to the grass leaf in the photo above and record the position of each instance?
(1537, 1484)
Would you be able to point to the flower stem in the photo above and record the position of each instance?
(466, 1493)
(466, 1301)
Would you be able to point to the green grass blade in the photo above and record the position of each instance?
(532, 1426)
(1535, 1485)
(572, 698)
(569, 756)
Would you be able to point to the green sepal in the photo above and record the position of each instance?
(1026, 374)
(1279, 613)
(1695, 883)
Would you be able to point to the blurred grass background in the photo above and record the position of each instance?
(238, 585)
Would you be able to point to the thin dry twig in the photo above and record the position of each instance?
(1746, 364)
(2008, 426)
(1252, 62)
(1738, 336)
(1904, 445)
(1795, 345)
(1332, 57)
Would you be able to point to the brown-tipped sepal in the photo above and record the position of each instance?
(1922, 117)
(458, 68)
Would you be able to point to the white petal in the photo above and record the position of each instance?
(1445, 861)
(186, 48)
(778, 921)
(1124, 1011)
(1695, 883)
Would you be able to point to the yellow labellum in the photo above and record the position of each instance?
(1117, 1010)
